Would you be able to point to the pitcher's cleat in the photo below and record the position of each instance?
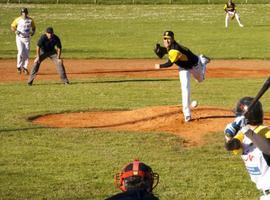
(187, 118)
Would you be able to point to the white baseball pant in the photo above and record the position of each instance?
(265, 197)
(198, 73)
(229, 15)
(23, 47)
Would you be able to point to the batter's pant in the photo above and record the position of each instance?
(58, 62)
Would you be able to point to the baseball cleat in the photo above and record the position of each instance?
(30, 83)
(207, 59)
(187, 118)
(25, 71)
(19, 70)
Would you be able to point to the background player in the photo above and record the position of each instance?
(248, 136)
(24, 27)
(187, 62)
(46, 48)
(137, 181)
(231, 13)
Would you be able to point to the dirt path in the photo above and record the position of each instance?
(144, 68)
(206, 120)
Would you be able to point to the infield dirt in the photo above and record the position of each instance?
(206, 120)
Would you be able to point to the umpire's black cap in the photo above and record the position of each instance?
(168, 34)
(49, 30)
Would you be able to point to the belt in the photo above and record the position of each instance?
(23, 36)
(265, 192)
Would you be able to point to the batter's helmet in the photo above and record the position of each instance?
(136, 175)
(24, 10)
(255, 115)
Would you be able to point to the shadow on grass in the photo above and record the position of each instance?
(125, 81)
(102, 81)
(21, 129)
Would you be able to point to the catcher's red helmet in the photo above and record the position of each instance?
(136, 175)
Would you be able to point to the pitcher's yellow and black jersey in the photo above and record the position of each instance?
(230, 8)
(181, 56)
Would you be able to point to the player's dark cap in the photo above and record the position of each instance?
(24, 10)
(168, 34)
(49, 30)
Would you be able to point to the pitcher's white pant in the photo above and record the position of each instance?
(198, 73)
(23, 47)
(229, 15)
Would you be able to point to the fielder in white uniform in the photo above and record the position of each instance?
(231, 13)
(188, 63)
(247, 136)
(24, 27)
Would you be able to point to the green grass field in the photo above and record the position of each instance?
(49, 163)
(127, 31)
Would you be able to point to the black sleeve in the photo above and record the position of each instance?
(58, 42)
(261, 142)
(40, 41)
(233, 144)
(166, 65)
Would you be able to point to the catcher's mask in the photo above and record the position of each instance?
(136, 175)
(24, 10)
(255, 115)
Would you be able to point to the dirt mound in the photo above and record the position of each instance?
(166, 119)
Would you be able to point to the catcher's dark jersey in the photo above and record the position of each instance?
(181, 56)
(230, 8)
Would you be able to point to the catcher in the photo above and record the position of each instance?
(137, 181)
(231, 13)
(247, 136)
(187, 62)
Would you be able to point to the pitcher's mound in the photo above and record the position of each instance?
(162, 119)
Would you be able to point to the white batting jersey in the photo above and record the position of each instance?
(254, 159)
(23, 25)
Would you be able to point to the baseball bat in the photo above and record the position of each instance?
(261, 92)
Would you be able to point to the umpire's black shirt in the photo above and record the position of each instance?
(48, 45)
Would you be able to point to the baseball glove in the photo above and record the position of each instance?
(160, 51)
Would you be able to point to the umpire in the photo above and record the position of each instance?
(46, 48)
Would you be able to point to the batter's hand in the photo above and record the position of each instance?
(157, 66)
